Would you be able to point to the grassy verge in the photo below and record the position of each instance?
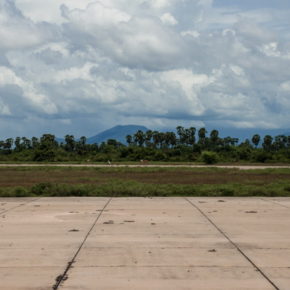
(29, 176)
(133, 188)
(71, 181)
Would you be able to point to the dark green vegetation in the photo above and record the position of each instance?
(188, 145)
(67, 181)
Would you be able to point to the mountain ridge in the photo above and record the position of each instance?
(120, 132)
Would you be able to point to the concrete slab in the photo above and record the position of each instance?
(250, 222)
(142, 243)
(169, 278)
(280, 276)
(260, 228)
(28, 278)
(39, 238)
(274, 258)
(282, 201)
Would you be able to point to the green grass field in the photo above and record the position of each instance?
(88, 181)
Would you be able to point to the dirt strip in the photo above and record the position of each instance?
(241, 167)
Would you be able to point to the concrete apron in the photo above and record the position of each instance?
(142, 243)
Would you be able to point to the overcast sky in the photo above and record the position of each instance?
(82, 66)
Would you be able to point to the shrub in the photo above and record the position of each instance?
(209, 157)
(160, 156)
(226, 192)
(262, 156)
(41, 188)
(21, 192)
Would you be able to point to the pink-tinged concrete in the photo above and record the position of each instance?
(167, 278)
(37, 241)
(142, 243)
(259, 227)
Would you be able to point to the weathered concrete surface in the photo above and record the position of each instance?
(36, 241)
(142, 243)
(7, 204)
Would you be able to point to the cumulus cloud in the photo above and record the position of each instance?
(88, 65)
(41, 103)
(169, 19)
(130, 40)
(19, 32)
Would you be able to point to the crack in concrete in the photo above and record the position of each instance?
(234, 244)
(62, 277)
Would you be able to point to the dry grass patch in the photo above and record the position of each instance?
(27, 177)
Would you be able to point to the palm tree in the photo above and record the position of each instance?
(26, 143)
(256, 140)
(191, 135)
(8, 143)
(202, 136)
(70, 143)
(182, 134)
(267, 142)
(129, 139)
(139, 138)
(288, 142)
(214, 136)
(280, 142)
(17, 144)
(35, 142)
(169, 139)
(156, 138)
(172, 139)
(148, 137)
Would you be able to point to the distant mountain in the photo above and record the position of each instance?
(59, 140)
(118, 133)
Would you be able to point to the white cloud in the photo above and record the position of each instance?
(169, 19)
(49, 11)
(94, 15)
(4, 109)
(132, 41)
(192, 33)
(285, 86)
(160, 3)
(74, 73)
(162, 63)
(38, 100)
(237, 70)
(16, 31)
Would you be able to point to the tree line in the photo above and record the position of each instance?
(186, 144)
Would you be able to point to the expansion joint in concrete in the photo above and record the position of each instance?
(275, 202)
(233, 244)
(20, 205)
(62, 277)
